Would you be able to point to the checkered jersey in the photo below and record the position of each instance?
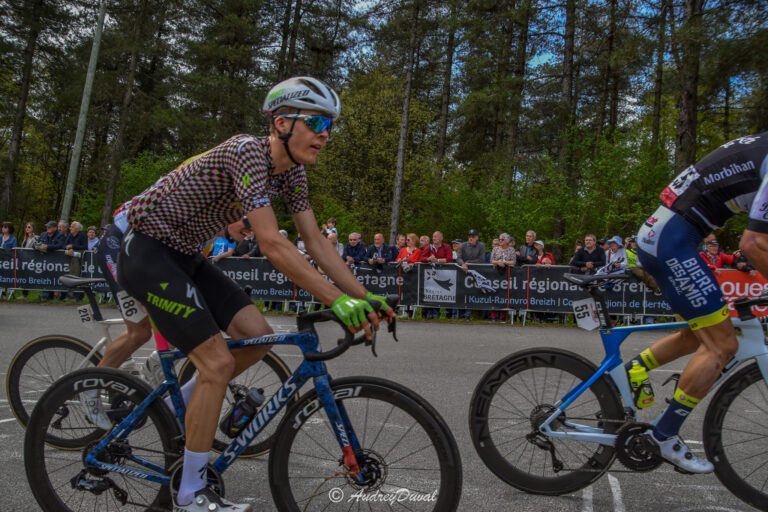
(208, 191)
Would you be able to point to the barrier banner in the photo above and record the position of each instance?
(448, 286)
(736, 284)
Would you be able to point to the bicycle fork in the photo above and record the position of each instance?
(341, 425)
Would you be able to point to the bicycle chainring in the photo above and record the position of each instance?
(633, 450)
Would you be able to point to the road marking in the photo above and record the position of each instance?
(484, 362)
(6, 421)
(618, 503)
(586, 505)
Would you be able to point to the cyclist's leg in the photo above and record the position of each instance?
(190, 301)
(139, 329)
(248, 323)
(668, 250)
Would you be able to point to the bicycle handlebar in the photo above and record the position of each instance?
(307, 321)
(744, 305)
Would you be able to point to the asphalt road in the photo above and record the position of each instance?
(442, 362)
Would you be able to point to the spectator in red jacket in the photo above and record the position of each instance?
(715, 258)
(437, 251)
(543, 258)
(410, 252)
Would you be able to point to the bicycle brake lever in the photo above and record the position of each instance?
(372, 343)
(392, 328)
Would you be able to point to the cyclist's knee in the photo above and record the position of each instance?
(215, 366)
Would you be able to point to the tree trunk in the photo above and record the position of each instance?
(21, 108)
(521, 62)
(282, 65)
(445, 99)
(116, 159)
(290, 64)
(690, 46)
(727, 111)
(400, 167)
(658, 83)
(566, 109)
(608, 78)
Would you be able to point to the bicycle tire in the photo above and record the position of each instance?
(37, 365)
(51, 471)
(734, 424)
(494, 416)
(306, 446)
(267, 374)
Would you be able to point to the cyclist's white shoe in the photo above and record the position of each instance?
(94, 410)
(673, 450)
(208, 501)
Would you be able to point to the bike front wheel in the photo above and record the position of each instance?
(735, 429)
(40, 363)
(517, 395)
(60, 479)
(407, 454)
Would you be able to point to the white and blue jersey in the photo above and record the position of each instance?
(726, 182)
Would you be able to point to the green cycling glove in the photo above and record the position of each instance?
(351, 311)
(378, 298)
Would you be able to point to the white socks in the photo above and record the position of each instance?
(193, 476)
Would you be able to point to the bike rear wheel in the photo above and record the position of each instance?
(59, 479)
(269, 375)
(514, 398)
(406, 451)
(735, 429)
(40, 363)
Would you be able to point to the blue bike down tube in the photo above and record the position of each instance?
(609, 362)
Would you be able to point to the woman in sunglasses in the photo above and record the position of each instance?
(234, 184)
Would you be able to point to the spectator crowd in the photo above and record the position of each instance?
(614, 254)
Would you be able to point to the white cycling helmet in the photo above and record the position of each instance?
(305, 93)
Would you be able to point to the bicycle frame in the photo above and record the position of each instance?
(307, 341)
(752, 345)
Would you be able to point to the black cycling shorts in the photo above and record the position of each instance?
(106, 255)
(188, 297)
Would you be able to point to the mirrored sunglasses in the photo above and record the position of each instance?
(317, 123)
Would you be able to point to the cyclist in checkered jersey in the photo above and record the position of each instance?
(232, 186)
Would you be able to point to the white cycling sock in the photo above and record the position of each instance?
(192, 476)
(186, 393)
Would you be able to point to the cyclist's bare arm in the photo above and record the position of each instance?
(326, 256)
(754, 245)
(283, 255)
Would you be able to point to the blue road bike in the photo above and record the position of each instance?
(548, 421)
(347, 443)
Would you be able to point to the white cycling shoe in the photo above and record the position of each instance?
(674, 451)
(94, 411)
(208, 501)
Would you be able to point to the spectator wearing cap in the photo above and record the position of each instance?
(543, 258)
(616, 254)
(456, 245)
(8, 239)
(527, 255)
(715, 258)
(471, 252)
(380, 253)
(93, 240)
(589, 258)
(502, 257)
(354, 251)
(49, 240)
